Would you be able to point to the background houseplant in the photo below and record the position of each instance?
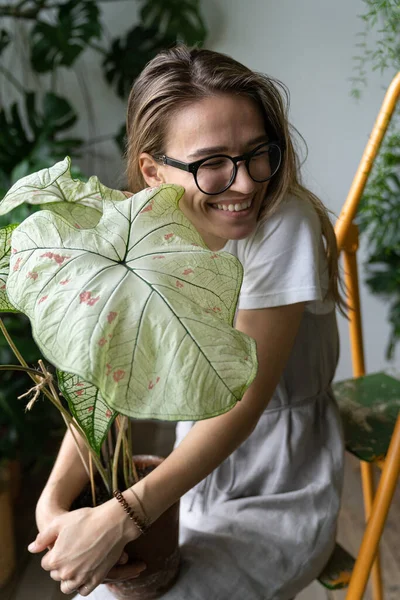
(379, 212)
(41, 43)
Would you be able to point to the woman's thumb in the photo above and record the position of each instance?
(43, 540)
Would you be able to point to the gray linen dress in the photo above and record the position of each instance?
(263, 524)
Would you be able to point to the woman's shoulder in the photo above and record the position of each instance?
(291, 214)
(293, 219)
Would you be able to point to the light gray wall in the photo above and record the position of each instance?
(307, 44)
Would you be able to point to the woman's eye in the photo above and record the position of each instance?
(261, 154)
(214, 164)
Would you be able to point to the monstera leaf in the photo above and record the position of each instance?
(127, 57)
(136, 306)
(30, 138)
(178, 19)
(5, 251)
(61, 44)
(88, 408)
(81, 203)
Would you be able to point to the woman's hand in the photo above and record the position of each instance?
(87, 543)
(46, 513)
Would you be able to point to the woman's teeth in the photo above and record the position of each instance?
(234, 207)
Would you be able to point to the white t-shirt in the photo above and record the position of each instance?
(284, 260)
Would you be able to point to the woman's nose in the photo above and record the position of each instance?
(243, 182)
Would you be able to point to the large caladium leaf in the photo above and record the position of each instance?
(88, 408)
(5, 251)
(137, 306)
(55, 188)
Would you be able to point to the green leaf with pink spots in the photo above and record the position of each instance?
(88, 408)
(54, 189)
(136, 306)
(5, 251)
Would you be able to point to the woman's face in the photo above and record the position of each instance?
(224, 124)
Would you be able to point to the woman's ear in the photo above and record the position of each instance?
(152, 171)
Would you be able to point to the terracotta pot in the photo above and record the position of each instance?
(158, 548)
(7, 548)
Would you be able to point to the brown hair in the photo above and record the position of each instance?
(181, 75)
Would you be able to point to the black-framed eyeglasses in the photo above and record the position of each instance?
(215, 174)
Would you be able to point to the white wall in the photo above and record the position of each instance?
(307, 44)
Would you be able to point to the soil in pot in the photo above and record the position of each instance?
(158, 548)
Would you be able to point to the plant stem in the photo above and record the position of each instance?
(128, 483)
(122, 425)
(92, 481)
(21, 368)
(133, 476)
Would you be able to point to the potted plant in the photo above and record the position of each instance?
(123, 297)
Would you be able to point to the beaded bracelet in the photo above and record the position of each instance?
(141, 525)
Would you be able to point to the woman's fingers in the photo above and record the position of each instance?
(121, 573)
(69, 585)
(86, 589)
(44, 540)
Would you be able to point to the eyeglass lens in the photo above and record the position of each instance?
(215, 174)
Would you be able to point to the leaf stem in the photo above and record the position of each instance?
(92, 484)
(122, 425)
(133, 476)
(27, 370)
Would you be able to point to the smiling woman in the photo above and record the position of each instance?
(260, 485)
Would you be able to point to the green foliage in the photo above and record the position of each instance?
(383, 18)
(379, 212)
(379, 218)
(177, 20)
(26, 148)
(128, 56)
(77, 23)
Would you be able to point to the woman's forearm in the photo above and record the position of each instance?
(207, 444)
(68, 475)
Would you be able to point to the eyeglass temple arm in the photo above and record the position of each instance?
(171, 162)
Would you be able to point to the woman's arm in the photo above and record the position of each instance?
(66, 481)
